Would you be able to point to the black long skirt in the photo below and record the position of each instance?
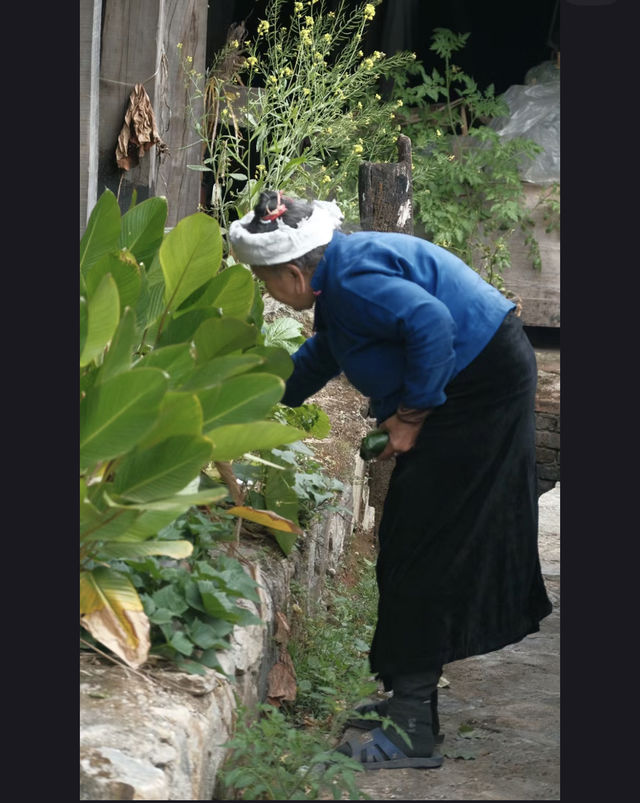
(458, 568)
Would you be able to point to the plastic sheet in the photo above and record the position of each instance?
(535, 114)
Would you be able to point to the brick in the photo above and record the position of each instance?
(549, 439)
(544, 455)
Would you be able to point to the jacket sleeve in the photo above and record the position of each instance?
(400, 311)
(314, 365)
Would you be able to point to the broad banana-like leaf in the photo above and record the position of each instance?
(182, 327)
(219, 369)
(281, 497)
(175, 360)
(276, 360)
(112, 612)
(116, 414)
(161, 470)
(118, 357)
(148, 523)
(180, 414)
(126, 272)
(103, 231)
(96, 525)
(189, 255)
(175, 505)
(234, 440)
(219, 336)
(103, 314)
(142, 229)
(265, 517)
(231, 291)
(130, 550)
(150, 303)
(245, 398)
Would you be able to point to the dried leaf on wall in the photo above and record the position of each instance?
(139, 132)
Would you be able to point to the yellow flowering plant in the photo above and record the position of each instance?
(299, 96)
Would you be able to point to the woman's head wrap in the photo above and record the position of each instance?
(285, 242)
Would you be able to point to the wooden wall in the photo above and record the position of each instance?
(138, 44)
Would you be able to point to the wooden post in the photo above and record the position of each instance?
(182, 21)
(385, 193)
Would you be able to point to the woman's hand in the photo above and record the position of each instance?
(403, 428)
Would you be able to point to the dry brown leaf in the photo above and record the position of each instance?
(282, 680)
(283, 630)
(139, 132)
(266, 517)
(106, 627)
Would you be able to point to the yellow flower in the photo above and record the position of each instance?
(308, 21)
(392, 116)
(225, 112)
(438, 132)
(179, 45)
(263, 27)
(368, 63)
(305, 36)
(326, 179)
(378, 54)
(297, 7)
(306, 91)
(369, 12)
(252, 61)
(360, 53)
(357, 148)
(451, 157)
(287, 72)
(331, 14)
(399, 103)
(272, 79)
(327, 37)
(261, 168)
(323, 169)
(235, 43)
(189, 59)
(378, 97)
(317, 56)
(329, 131)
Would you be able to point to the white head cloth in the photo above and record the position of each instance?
(285, 243)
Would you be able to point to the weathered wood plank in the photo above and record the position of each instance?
(129, 56)
(182, 21)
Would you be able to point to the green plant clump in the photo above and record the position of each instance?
(286, 753)
(174, 377)
(467, 192)
(296, 107)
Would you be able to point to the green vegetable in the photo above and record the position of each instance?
(373, 444)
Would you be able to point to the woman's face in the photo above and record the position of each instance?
(287, 284)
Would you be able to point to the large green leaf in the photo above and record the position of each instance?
(104, 525)
(103, 231)
(180, 414)
(219, 369)
(276, 360)
(175, 360)
(125, 271)
(163, 469)
(234, 440)
(174, 505)
(218, 336)
(143, 228)
(189, 255)
(281, 498)
(118, 357)
(231, 291)
(123, 550)
(116, 414)
(150, 301)
(103, 313)
(245, 398)
(84, 322)
(182, 328)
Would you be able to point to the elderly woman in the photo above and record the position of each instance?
(451, 377)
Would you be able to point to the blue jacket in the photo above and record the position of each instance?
(399, 316)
